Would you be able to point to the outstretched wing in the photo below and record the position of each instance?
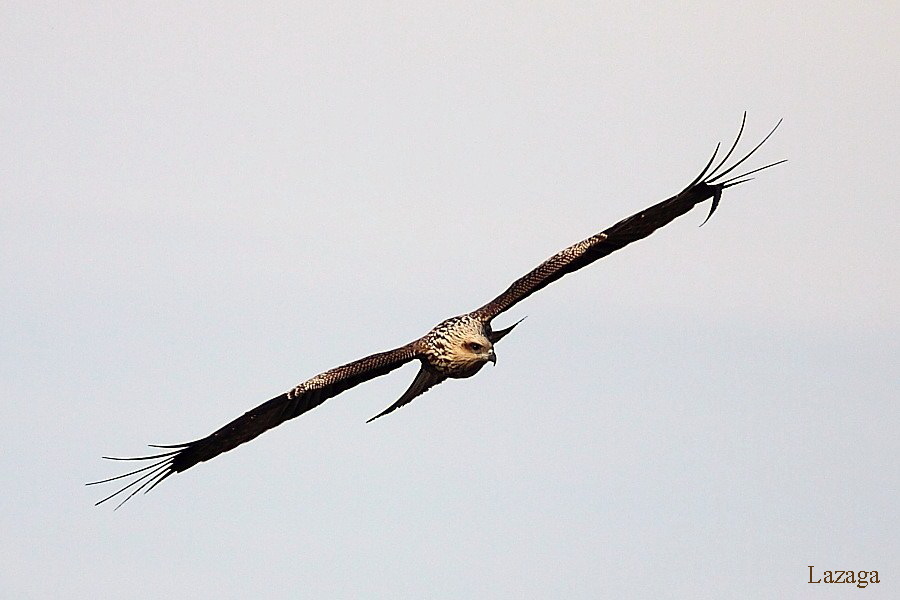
(709, 184)
(279, 409)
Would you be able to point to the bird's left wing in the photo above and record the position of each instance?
(709, 184)
(279, 409)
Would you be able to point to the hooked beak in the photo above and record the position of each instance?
(492, 357)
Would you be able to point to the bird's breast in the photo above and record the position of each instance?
(450, 364)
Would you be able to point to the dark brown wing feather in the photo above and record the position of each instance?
(424, 381)
(635, 227)
(580, 255)
(279, 409)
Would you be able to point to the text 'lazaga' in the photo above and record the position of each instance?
(860, 578)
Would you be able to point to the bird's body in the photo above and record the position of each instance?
(455, 348)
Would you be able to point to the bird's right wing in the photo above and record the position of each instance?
(279, 409)
(709, 184)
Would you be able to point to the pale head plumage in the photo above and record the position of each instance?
(458, 347)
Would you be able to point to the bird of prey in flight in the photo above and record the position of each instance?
(455, 348)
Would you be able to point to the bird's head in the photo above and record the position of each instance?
(480, 349)
(468, 352)
(459, 347)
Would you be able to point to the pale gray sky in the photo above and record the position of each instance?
(207, 203)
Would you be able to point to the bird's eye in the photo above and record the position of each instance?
(475, 347)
